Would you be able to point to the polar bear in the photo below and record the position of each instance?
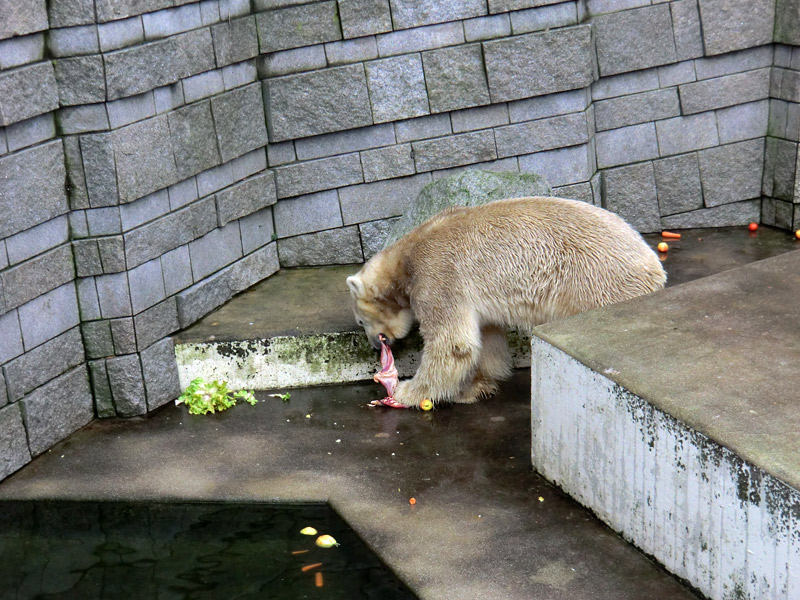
(468, 274)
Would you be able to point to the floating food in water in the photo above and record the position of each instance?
(326, 541)
(308, 531)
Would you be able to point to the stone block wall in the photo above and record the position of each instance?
(159, 156)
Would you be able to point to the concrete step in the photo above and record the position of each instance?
(674, 417)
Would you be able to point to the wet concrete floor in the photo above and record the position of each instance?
(484, 524)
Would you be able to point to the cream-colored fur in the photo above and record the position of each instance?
(468, 274)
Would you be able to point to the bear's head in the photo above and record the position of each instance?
(378, 310)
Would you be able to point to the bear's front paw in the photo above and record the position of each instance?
(405, 393)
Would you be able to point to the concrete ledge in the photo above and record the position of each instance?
(673, 417)
(304, 360)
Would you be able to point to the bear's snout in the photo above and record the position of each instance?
(381, 338)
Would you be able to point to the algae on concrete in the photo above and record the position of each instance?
(467, 188)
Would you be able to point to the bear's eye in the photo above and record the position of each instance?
(360, 322)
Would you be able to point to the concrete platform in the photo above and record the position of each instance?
(674, 417)
(296, 328)
(484, 525)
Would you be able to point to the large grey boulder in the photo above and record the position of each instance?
(466, 188)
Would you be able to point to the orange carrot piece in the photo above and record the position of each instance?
(299, 551)
(307, 568)
(670, 235)
(318, 579)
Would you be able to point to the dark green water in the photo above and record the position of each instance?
(88, 550)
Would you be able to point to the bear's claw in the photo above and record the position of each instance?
(390, 402)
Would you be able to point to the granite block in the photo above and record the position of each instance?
(687, 30)
(416, 13)
(144, 210)
(487, 28)
(21, 18)
(109, 10)
(97, 339)
(160, 373)
(373, 235)
(87, 258)
(127, 385)
(422, 128)
(10, 337)
(637, 108)
(307, 214)
(484, 117)
(82, 119)
(525, 66)
(296, 60)
(318, 175)
(420, 38)
(743, 122)
(725, 215)
(239, 121)
(34, 241)
(194, 139)
(80, 80)
(333, 247)
(66, 13)
(123, 335)
(350, 51)
(98, 165)
(678, 184)
(735, 62)
(156, 323)
(625, 83)
(730, 25)
(685, 134)
(113, 293)
(388, 162)
(359, 202)
(257, 230)
(146, 284)
(455, 150)
(37, 276)
(202, 85)
(296, 26)
(19, 51)
(215, 250)
(88, 302)
(455, 78)
(343, 142)
(634, 39)
(73, 41)
(563, 166)
(728, 90)
(551, 105)
(177, 269)
(101, 389)
(57, 409)
(164, 23)
(630, 192)
(545, 17)
(397, 88)
(249, 196)
(123, 33)
(732, 173)
(364, 17)
(26, 92)
(542, 134)
(13, 440)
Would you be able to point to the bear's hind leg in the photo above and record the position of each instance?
(494, 364)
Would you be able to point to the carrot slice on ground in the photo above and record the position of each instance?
(299, 551)
(318, 579)
(670, 235)
(307, 568)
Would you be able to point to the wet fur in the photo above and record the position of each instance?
(468, 274)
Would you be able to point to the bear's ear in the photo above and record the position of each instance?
(356, 286)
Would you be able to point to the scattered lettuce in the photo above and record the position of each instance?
(208, 397)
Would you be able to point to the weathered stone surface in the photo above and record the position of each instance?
(468, 188)
(297, 60)
(10, 337)
(146, 284)
(637, 108)
(113, 294)
(169, 22)
(542, 134)
(685, 134)
(483, 117)
(787, 22)
(735, 62)
(487, 28)
(173, 230)
(80, 80)
(82, 119)
(388, 162)
(551, 105)
(109, 10)
(123, 335)
(678, 184)
(253, 268)
(780, 173)
(156, 322)
(142, 68)
(49, 315)
(104, 221)
(307, 214)
(76, 179)
(14, 452)
(732, 173)
(725, 215)
(364, 17)
(455, 78)
(99, 168)
(37, 276)
(626, 145)
(397, 88)
(32, 131)
(360, 202)
(686, 26)
(145, 209)
(101, 389)
(127, 385)
(547, 17)
(350, 51)
(257, 230)
(177, 270)
(344, 142)
(194, 139)
(743, 122)
(66, 13)
(420, 38)
(235, 41)
(160, 373)
(529, 65)
(635, 39)
(423, 128)
(297, 26)
(246, 197)
(120, 34)
(44, 237)
(144, 159)
(454, 151)
(97, 339)
(341, 102)
(317, 175)
(736, 24)
(332, 247)
(728, 90)
(88, 302)
(373, 235)
(625, 83)
(631, 193)
(414, 13)
(216, 249)
(27, 372)
(563, 166)
(20, 18)
(239, 120)
(21, 51)
(32, 187)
